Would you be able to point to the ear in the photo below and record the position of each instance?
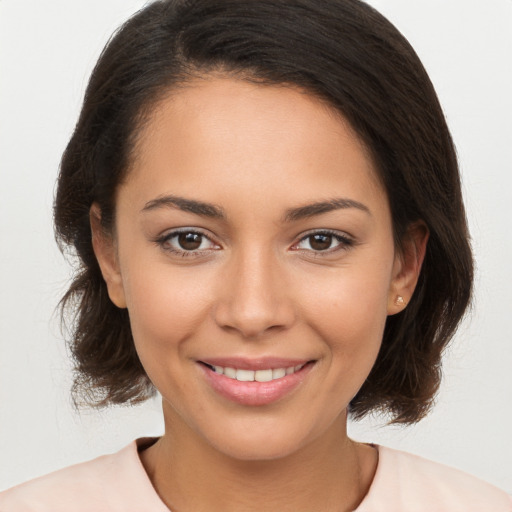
(105, 250)
(407, 267)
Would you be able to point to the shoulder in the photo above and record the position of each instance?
(115, 482)
(411, 483)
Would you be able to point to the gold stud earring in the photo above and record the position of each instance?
(399, 301)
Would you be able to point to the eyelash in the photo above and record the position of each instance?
(345, 242)
(164, 242)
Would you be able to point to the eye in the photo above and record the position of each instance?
(324, 241)
(186, 242)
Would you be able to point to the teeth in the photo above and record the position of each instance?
(245, 375)
(263, 375)
(278, 373)
(230, 372)
(256, 375)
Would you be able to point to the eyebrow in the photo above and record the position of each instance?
(216, 212)
(186, 205)
(310, 210)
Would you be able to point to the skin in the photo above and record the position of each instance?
(257, 287)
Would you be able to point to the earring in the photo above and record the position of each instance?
(399, 301)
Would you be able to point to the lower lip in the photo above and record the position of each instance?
(255, 393)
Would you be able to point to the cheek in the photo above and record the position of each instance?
(165, 304)
(350, 303)
(166, 309)
(349, 313)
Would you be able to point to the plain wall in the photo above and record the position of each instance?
(47, 50)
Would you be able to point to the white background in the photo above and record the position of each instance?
(47, 49)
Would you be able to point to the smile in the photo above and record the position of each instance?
(265, 375)
(255, 383)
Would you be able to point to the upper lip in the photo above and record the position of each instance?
(261, 363)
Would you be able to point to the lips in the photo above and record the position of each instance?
(255, 382)
(263, 375)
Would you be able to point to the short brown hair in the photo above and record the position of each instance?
(341, 51)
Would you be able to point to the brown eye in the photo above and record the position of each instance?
(186, 243)
(324, 241)
(190, 241)
(320, 242)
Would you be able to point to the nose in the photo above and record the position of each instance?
(254, 298)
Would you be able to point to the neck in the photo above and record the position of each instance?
(333, 473)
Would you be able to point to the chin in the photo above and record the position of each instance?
(259, 450)
(261, 442)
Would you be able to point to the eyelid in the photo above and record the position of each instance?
(346, 241)
(165, 237)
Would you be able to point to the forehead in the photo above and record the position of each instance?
(241, 135)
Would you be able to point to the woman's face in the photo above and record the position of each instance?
(254, 252)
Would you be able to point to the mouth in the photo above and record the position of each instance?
(255, 383)
(261, 375)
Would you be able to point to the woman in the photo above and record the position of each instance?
(266, 204)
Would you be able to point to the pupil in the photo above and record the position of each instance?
(189, 241)
(321, 242)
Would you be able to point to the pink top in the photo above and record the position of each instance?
(119, 483)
